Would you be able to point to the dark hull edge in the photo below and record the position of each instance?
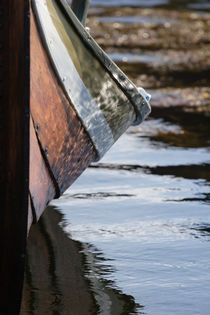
(14, 142)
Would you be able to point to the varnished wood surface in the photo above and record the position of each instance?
(64, 145)
(14, 149)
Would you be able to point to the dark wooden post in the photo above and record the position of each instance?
(14, 149)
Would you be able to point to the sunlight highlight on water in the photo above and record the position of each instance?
(141, 216)
(151, 226)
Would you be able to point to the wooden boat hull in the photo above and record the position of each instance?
(46, 141)
(59, 140)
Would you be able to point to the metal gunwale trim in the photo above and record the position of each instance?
(141, 106)
(87, 110)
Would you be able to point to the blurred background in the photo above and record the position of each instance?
(132, 235)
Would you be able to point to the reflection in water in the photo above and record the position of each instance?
(60, 273)
(108, 297)
(202, 230)
(100, 195)
(148, 211)
(195, 128)
(198, 197)
(158, 231)
(53, 278)
(185, 171)
(157, 248)
(140, 216)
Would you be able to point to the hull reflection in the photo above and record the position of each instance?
(63, 276)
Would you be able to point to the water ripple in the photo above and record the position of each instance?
(141, 231)
(99, 195)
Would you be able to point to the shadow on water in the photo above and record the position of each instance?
(184, 171)
(64, 276)
(194, 128)
(201, 198)
(193, 172)
(201, 231)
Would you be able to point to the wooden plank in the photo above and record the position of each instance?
(41, 186)
(65, 145)
(14, 143)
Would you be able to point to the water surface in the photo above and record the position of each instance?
(145, 208)
(132, 235)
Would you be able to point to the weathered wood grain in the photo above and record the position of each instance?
(65, 146)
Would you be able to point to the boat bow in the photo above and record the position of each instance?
(105, 100)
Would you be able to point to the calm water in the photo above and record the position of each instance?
(145, 209)
(143, 212)
(141, 215)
